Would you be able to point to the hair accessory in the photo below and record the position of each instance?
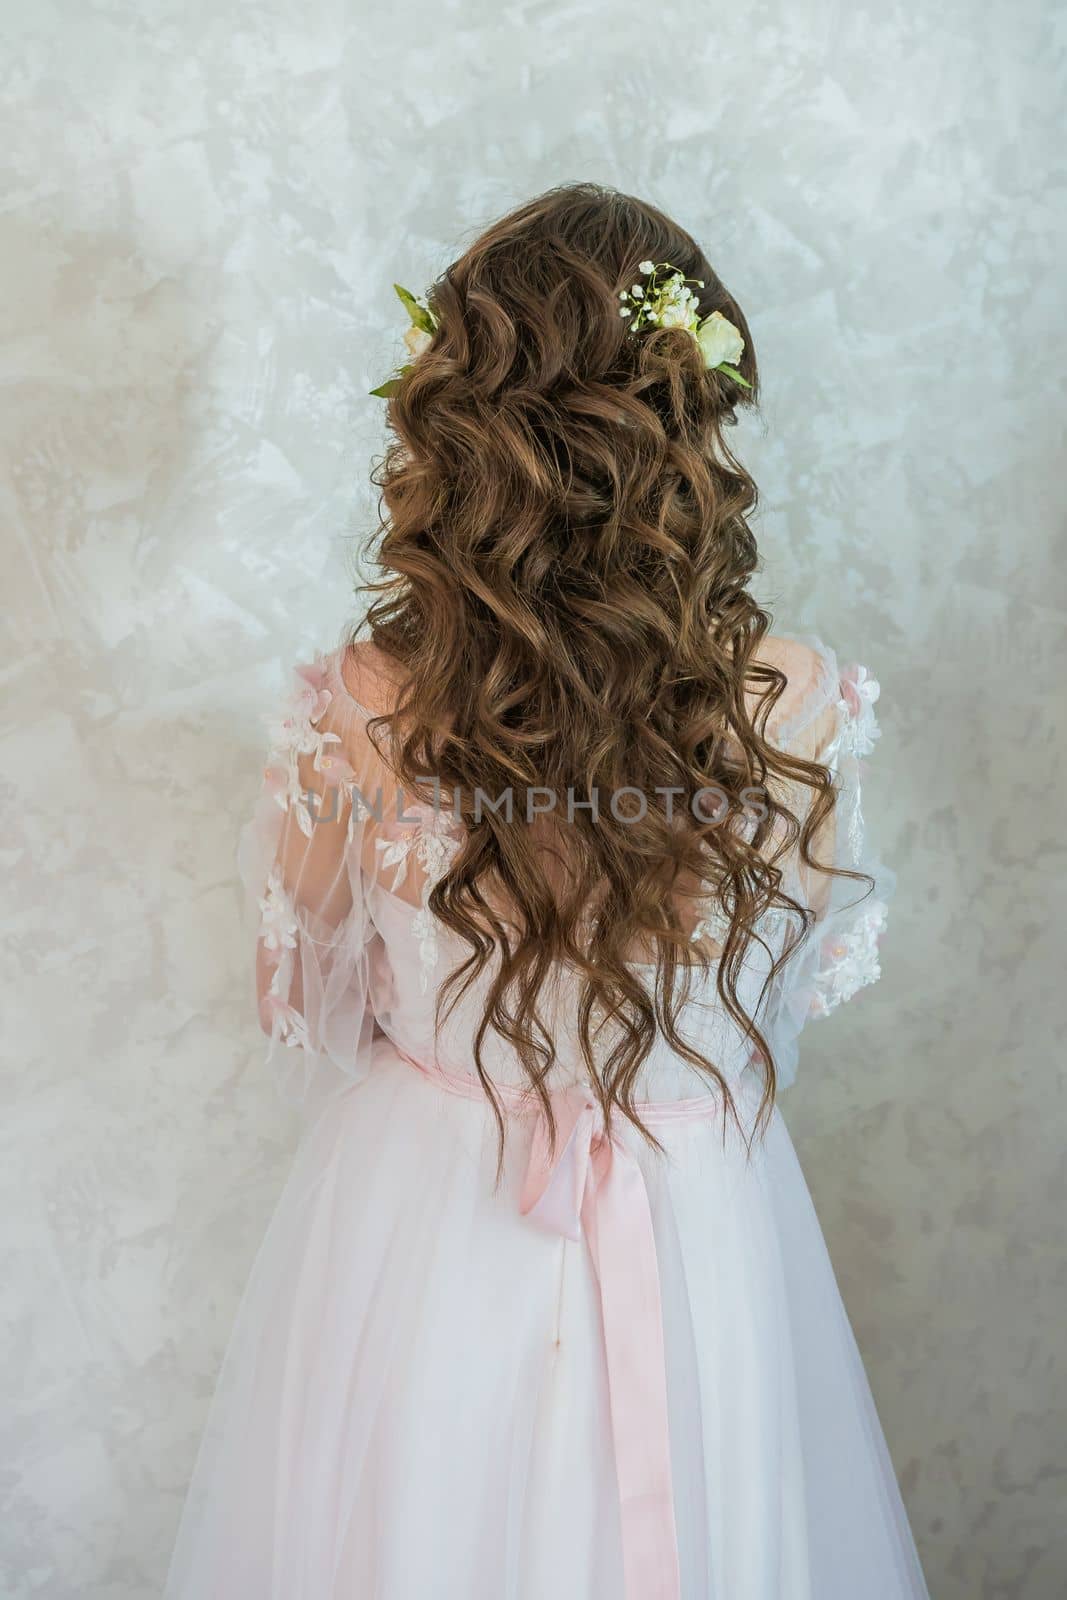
(670, 303)
(416, 337)
(666, 303)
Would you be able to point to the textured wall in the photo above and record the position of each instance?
(204, 207)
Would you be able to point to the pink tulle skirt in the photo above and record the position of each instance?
(414, 1404)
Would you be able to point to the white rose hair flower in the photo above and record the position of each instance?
(416, 340)
(668, 301)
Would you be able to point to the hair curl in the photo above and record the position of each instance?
(566, 554)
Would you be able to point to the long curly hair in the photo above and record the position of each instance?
(565, 551)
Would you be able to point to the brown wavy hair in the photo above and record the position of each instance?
(566, 551)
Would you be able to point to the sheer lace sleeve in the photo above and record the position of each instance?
(333, 844)
(300, 859)
(833, 723)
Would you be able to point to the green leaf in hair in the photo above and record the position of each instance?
(421, 315)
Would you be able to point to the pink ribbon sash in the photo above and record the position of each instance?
(591, 1183)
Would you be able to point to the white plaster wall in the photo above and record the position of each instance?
(202, 209)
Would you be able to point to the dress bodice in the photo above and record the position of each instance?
(340, 866)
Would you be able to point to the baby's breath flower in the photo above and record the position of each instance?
(671, 303)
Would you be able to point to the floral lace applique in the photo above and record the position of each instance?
(856, 736)
(433, 844)
(278, 930)
(277, 924)
(860, 729)
(286, 1022)
(296, 734)
(851, 961)
(714, 926)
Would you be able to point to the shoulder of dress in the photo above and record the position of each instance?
(812, 677)
(336, 698)
(353, 677)
(346, 688)
(818, 683)
(366, 676)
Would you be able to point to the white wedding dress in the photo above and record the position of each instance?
(616, 1374)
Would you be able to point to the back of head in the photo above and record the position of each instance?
(566, 555)
(560, 497)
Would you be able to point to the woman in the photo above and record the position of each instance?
(550, 868)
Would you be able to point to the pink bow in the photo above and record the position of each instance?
(592, 1182)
